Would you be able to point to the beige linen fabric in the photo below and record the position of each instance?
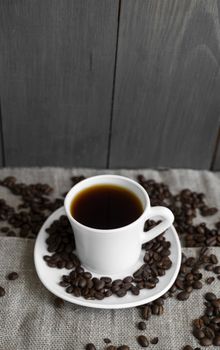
(28, 317)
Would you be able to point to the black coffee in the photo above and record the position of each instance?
(106, 207)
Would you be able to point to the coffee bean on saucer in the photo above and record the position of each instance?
(121, 293)
(12, 276)
(90, 346)
(154, 340)
(143, 341)
(58, 302)
(2, 291)
(142, 325)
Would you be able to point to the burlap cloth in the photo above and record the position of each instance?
(28, 317)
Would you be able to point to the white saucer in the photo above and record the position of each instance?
(50, 277)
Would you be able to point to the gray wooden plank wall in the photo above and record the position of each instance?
(57, 63)
(168, 82)
(111, 83)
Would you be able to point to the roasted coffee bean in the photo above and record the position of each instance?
(187, 347)
(121, 293)
(209, 267)
(111, 347)
(210, 280)
(142, 325)
(216, 270)
(90, 346)
(4, 229)
(2, 292)
(69, 289)
(179, 284)
(183, 296)
(209, 311)
(128, 279)
(216, 303)
(209, 333)
(216, 340)
(198, 333)
(107, 340)
(58, 302)
(205, 320)
(205, 341)
(107, 280)
(143, 341)
(154, 340)
(197, 285)
(108, 293)
(159, 301)
(198, 323)
(99, 284)
(146, 312)
(123, 347)
(210, 296)
(135, 290)
(12, 276)
(213, 259)
(99, 295)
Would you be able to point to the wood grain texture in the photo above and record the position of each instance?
(216, 158)
(56, 74)
(167, 101)
(2, 156)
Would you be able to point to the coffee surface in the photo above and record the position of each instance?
(106, 207)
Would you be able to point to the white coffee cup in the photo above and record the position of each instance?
(115, 250)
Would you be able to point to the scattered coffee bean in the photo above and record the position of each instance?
(111, 347)
(4, 229)
(12, 276)
(35, 207)
(58, 302)
(142, 325)
(123, 347)
(197, 285)
(183, 296)
(209, 280)
(107, 340)
(154, 340)
(205, 341)
(216, 270)
(210, 296)
(216, 340)
(143, 341)
(187, 347)
(2, 291)
(90, 346)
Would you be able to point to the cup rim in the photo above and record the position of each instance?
(122, 228)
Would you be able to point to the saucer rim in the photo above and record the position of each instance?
(98, 304)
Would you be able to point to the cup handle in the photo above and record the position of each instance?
(167, 219)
